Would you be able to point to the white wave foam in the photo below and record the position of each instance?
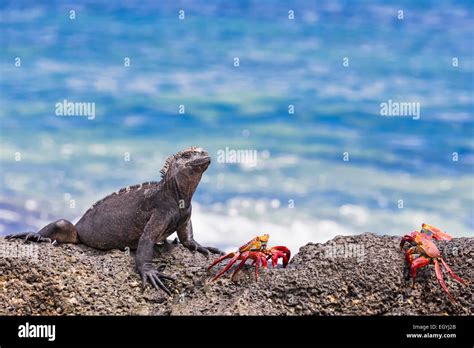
(230, 231)
(234, 227)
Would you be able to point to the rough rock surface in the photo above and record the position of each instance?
(350, 275)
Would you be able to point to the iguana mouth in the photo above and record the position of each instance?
(200, 161)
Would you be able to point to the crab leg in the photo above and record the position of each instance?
(274, 258)
(451, 272)
(285, 259)
(434, 232)
(256, 266)
(410, 255)
(244, 256)
(228, 256)
(231, 262)
(439, 276)
(257, 258)
(264, 261)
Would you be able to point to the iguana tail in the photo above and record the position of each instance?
(60, 231)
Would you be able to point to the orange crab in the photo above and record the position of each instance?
(256, 249)
(422, 251)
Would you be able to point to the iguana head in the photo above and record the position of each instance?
(188, 164)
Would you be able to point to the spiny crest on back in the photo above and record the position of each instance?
(171, 158)
(123, 190)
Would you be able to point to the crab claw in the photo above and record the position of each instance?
(433, 232)
(408, 238)
(279, 252)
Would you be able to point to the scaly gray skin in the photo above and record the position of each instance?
(139, 216)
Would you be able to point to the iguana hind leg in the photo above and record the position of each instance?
(60, 231)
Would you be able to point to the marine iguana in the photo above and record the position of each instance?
(139, 216)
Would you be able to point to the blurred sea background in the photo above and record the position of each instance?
(301, 189)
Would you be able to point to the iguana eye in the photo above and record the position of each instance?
(186, 155)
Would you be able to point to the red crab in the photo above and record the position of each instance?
(422, 251)
(256, 249)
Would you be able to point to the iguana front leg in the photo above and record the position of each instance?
(185, 235)
(155, 229)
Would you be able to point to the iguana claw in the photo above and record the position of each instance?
(35, 237)
(153, 276)
(195, 246)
